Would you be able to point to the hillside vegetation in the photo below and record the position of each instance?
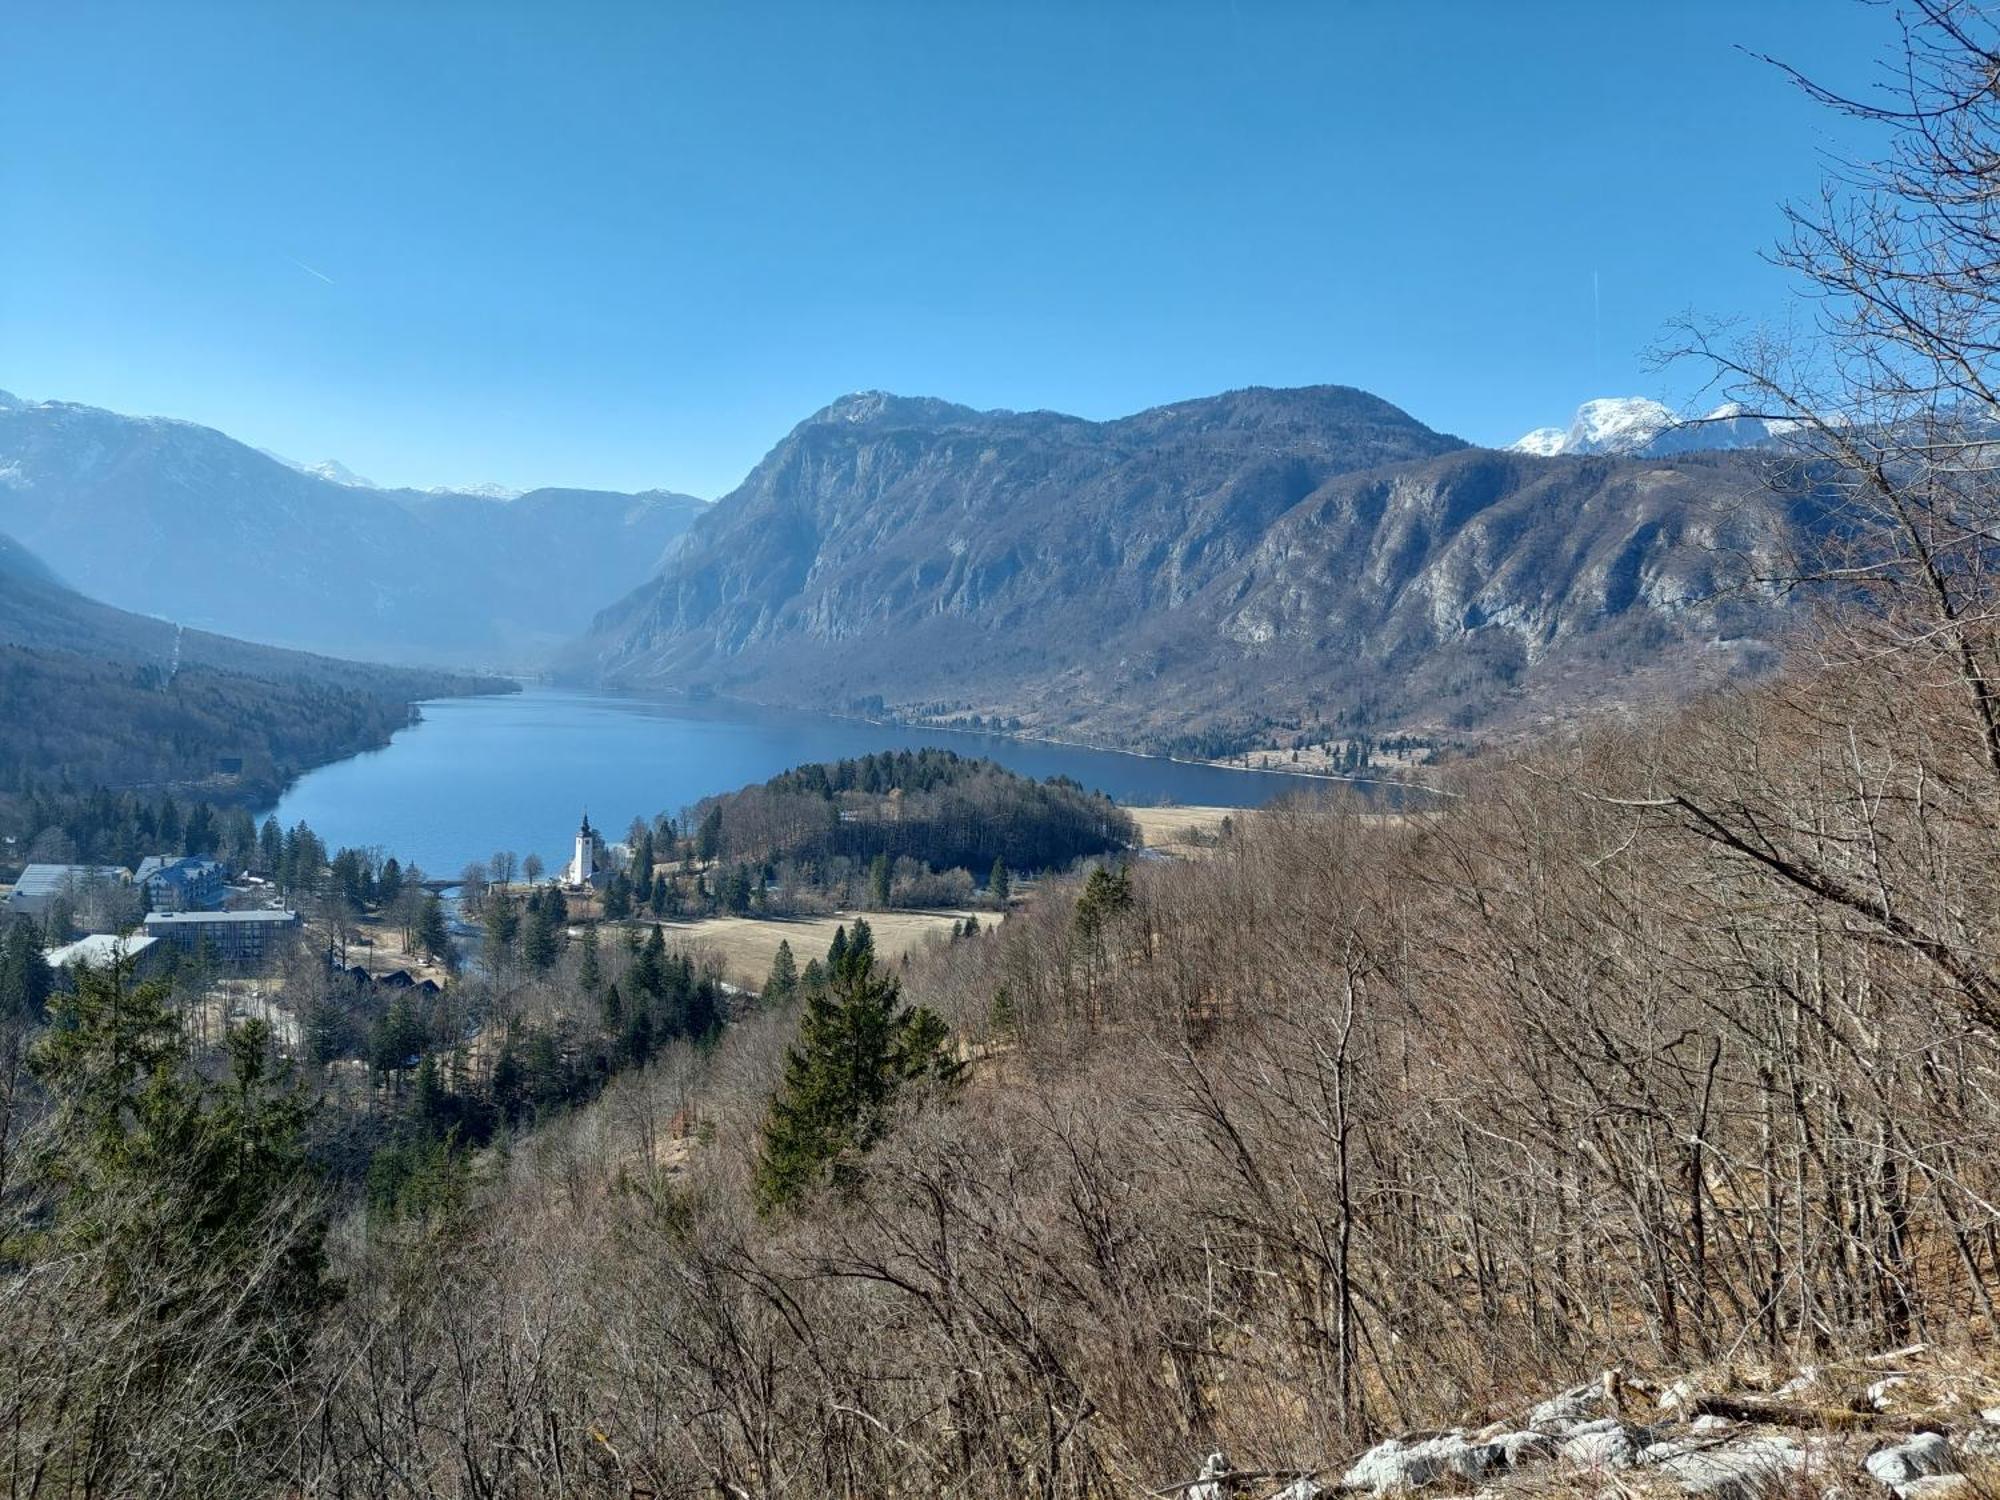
(933, 806)
(98, 696)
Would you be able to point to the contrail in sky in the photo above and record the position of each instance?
(309, 270)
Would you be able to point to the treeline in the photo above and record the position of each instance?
(933, 807)
(86, 722)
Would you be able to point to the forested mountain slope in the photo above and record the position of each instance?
(99, 696)
(1305, 556)
(181, 521)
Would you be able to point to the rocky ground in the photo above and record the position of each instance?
(1907, 1425)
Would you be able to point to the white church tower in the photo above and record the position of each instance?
(583, 864)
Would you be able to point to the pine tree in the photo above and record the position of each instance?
(997, 884)
(878, 881)
(783, 983)
(589, 973)
(193, 1199)
(858, 1048)
(433, 937)
(25, 979)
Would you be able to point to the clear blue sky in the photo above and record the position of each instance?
(630, 245)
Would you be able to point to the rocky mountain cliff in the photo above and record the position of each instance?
(1305, 557)
(173, 519)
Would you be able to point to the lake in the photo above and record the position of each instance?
(478, 775)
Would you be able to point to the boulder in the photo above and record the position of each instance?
(1213, 1486)
(1936, 1487)
(1604, 1444)
(1559, 1414)
(1710, 1423)
(1915, 1458)
(1399, 1465)
(1749, 1469)
(1522, 1448)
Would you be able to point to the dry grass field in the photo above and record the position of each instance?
(1181, 830)
(746, 945)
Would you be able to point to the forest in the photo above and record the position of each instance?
(80, 721)
(934, 807)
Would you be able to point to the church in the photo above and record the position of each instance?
(582, 870)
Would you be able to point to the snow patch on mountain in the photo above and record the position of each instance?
(482, 491)
(1628, 425)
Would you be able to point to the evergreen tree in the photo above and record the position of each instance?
(26, 980)
(193, 1199)
(783, 984)
(502, 921)
(589, 972)
(270, 847)
(997, 884)
(878, 881)
(389, 885)
(433, 937)
(614, 1011)
(708, 841)
(858, 1048)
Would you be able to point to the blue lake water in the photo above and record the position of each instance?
(484, 774)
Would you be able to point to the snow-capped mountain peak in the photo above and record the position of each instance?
(1626, 425)
(336, 471)
(482, 491)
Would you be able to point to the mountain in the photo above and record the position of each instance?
(174, 519)
(101, 696)
(1633, 425)
(1310, 557)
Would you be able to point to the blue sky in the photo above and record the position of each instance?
(631, 245)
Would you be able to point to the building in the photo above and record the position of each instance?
(42, 886)
(185, 884)
(143, 956)
(230, 937)
(582, 869)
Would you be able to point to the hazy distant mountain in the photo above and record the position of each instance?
(40, 611)
(174, 519)
(1633, 425)
(1307, 555)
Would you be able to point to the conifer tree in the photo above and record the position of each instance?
(783, 983)
(194, 1200)
(879, 881)
(25, 979)
(589, 972)
(997, 884)
(433, 937)
(858, 1048)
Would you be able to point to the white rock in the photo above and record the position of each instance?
(1746, 1470)
(1879, 1393)
(1805, 1380)
(1935, 1487)
(1991, 1414)
(1303, 1488)
(1561, 1414)
(1212, 1486)
(1600, 1447)
(1926, 1453)
(1396, 1465)
(1522, 1448)
(1709, 1423)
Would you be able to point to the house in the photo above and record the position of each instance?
(189, 883)
(142, 956)
(230, 937)
(42, 886)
